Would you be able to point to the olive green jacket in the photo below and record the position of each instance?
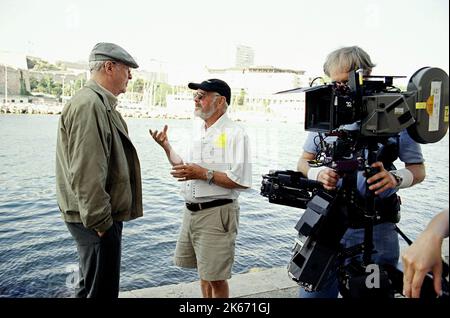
(98, 176)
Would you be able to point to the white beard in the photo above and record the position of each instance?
(203, 115)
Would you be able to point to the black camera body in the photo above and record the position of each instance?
(381, 108)
(317, 244)
(289, 188)
(380, 112)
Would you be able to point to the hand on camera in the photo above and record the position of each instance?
(382, 180)
(329, 178)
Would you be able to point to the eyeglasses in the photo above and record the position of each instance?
(200, 96)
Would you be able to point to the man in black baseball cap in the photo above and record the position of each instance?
(214, 85)
(214, 173)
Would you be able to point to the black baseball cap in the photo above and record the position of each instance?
(214, 85)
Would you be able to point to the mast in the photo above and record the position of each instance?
(6, 84)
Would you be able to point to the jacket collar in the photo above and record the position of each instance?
(109, 99)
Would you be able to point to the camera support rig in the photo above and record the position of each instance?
(329, 214)
(317, 248)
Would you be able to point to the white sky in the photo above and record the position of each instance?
(400, 35)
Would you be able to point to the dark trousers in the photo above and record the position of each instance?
(99, 260)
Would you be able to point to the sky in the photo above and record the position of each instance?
(400, 35)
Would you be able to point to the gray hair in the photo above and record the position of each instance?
(348, 59)
(225, 104)
(96, 66)
(225, 107)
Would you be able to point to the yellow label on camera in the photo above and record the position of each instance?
(430, 105)
(446, 114)
(421, 105)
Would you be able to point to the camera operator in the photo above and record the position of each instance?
(384, 183)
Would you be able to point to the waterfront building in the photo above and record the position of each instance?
(244, 56)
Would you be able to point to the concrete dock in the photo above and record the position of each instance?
(258, 283)
(267, 283)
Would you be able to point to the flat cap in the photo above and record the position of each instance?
(109, 51)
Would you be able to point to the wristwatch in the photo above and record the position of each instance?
(210, 176)
(397, 177)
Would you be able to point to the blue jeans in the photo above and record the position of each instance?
(385, 240)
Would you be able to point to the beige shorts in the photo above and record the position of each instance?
(207, 241)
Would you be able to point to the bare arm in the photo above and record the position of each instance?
(221, 179)
(162, 139)
(173, 157)
(418, 171)
(384, 180)
(302, 164)
(425, 255)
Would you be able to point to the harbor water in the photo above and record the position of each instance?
(38, 256)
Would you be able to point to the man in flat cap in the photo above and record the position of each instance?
(217, 168)
(98, 178)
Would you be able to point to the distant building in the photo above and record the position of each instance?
(260, 79)
(17, 76)
(253, 90)
(244, 56)
(75, 67)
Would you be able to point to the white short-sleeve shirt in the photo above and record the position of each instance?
(222, 147)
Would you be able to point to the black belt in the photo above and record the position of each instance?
(194, 207)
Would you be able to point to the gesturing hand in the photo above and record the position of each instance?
(161, 137)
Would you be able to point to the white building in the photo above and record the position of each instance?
(260, 79)
(244, 56)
